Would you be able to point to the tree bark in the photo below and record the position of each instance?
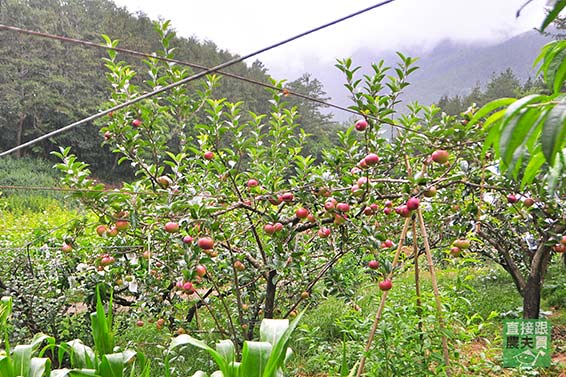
(531, 293)
(270, 294)
(19, 133)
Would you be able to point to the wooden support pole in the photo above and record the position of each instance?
(383, 299)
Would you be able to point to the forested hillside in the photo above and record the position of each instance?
(46, 84)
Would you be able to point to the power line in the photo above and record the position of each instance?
(190, 78)
(169, 60)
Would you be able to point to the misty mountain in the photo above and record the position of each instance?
(450, 68)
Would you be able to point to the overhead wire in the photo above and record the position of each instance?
(190, 78)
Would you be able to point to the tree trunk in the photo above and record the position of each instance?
(532, 290)
(19, 133)
(270, 295)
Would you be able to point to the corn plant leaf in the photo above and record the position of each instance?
(21, 357)
(102, 327)
(184, 340)
(6, 369)
(271, 330)
(82, 356)
(73, 373)
(278, 354)
(39, 367)
(5, 310)
(200, 373)
(227, 350)
(554, 131)
(254, 358)
(112, 365)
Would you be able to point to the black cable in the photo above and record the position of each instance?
(188, 79)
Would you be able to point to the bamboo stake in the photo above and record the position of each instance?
(417, 283)
(383, 299)
(436, 292)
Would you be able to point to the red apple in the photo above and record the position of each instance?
(136, 122)
(343, 207)
(455, 251)
(208, 155)
(339, 220)
(187, 239)
(388, 203)
(385, 285)
(440, 156)
(122, 224)
(563, 240)
(311, 218)
(107, 135)
(403, 211)
(368, 211)
(388, 243)
(200, 270)
(269, 228)
(373, 264)
(287, 197)
(512, 198)
(66, 248)
(205, 243)
(302, 213)
(139, 323)
(559, 248)
(278, 227)
(101, 229)
(275, 200)
(171, 227)
(324, 232)
(361, 125)
(387, 210)
(188, 288)
(371, 159)
(413, 203)
(252, 183)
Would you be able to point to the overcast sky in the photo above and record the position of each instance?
(247, 25)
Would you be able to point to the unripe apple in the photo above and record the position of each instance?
(368, 211)
(339, 220)
(373, 264)
(385, 285)
(302, 213)
(164, 181)
(461, 243)
(361, 125)
(139, 323)
(171, 227)
(371, 159)
(239, 266)
(252, 183)
(563, 240)
(413, 203)
(205, 243)
(430, 192)
(356, 191)
(146, 254)
(305, 295)
(200, 270)
(101, 229)
(311, 218)
(208, 155)
(122, 224)
(363, 164)
(66, 248)
(112, 232)
(245, 307)
(528, 202)
(160, 322)
(440, 156)
(512, 198)
(388, 203)
(275, 200)
(136, 122)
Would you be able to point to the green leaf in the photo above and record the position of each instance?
(184, 340)
(39, 367)
(73, 373)
(112, 365)
(200, 374)
(6, 369)
(489, 107)
(22, 359)
(532, 169)
(515, 132)
(271, 330)
(279, 352)
(554, 131)
(101, 327)
(227, 350)
(551, 16)
(254, 358)
(81, 356)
